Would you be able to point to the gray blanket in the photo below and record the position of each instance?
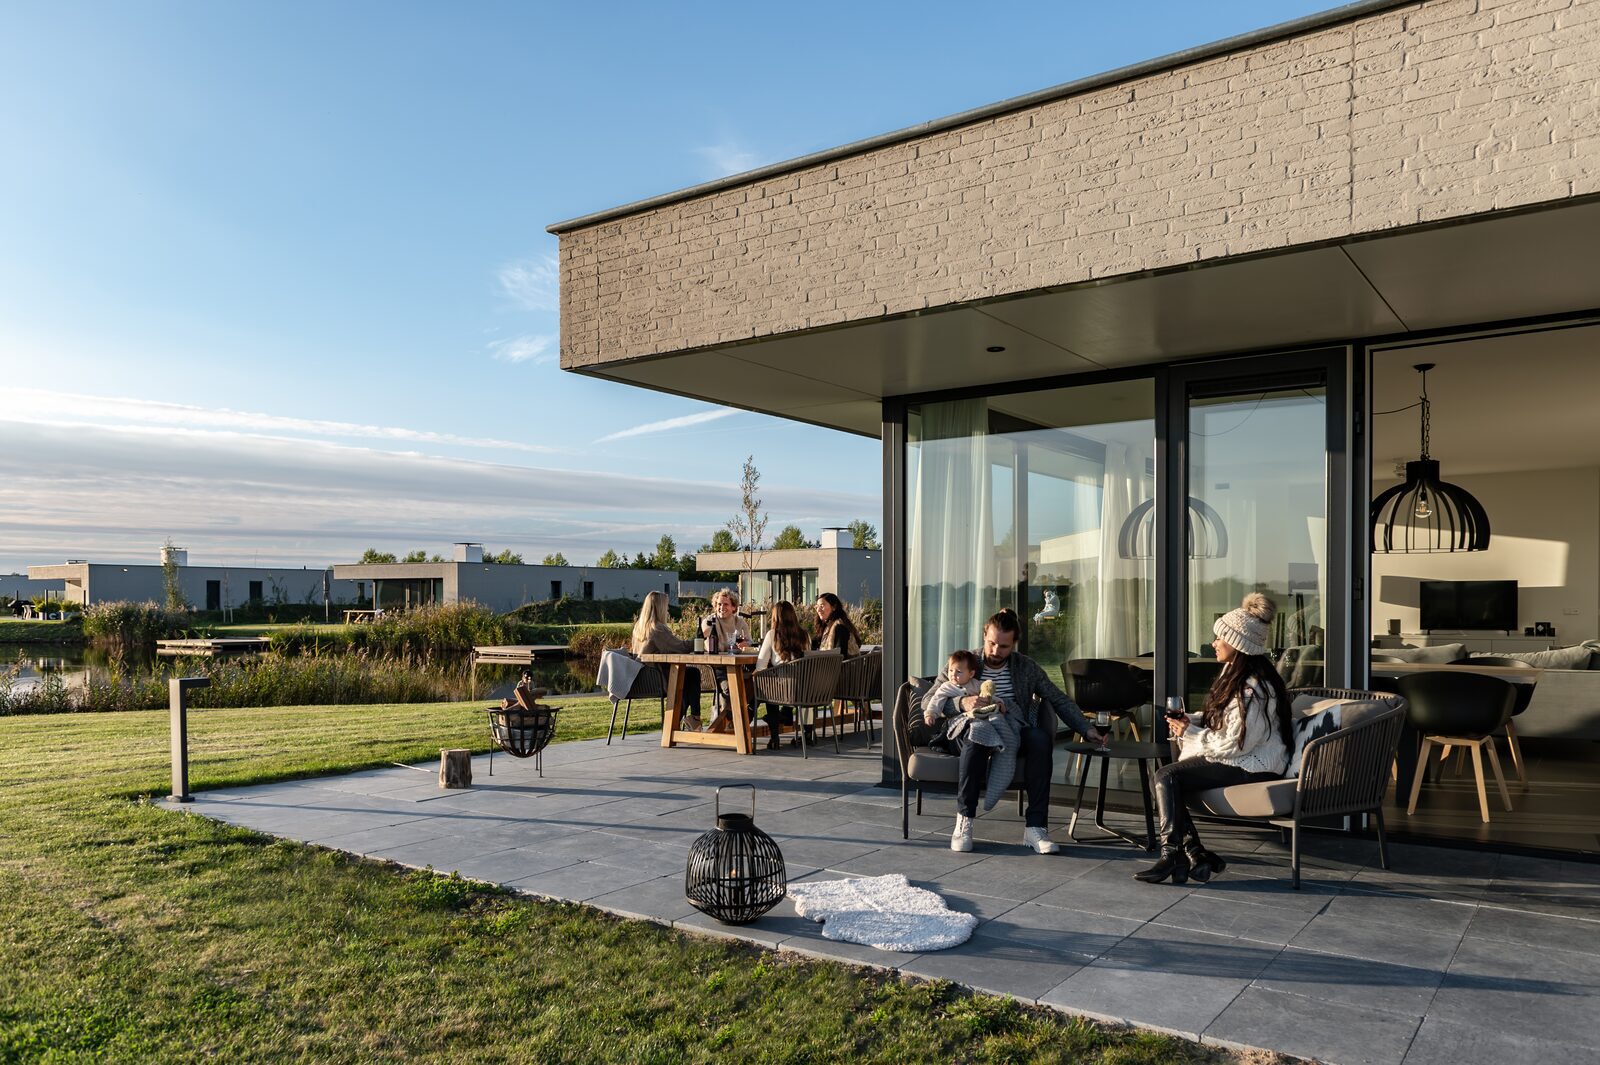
(1003, 733)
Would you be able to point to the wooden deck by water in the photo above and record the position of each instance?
(212, 647)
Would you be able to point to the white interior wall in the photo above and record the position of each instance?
(1545, 535)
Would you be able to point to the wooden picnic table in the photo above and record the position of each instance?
(352, 617)
(742, 738)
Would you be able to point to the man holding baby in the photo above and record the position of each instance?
(1015, 686)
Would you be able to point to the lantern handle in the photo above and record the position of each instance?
(717, 799)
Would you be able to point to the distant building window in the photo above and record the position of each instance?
(213, 595)
(588, 589)
(555, 589)
(255, 591)
(668, 589)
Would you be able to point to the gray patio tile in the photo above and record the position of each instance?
(1169, 979)
(1445, 1043)
(1326, 1031)
(1557, 899)
(1269, 891)
(580, 882)
(1402, 989)
(444, 854)
(1014, 873)
(1202, 911)
(998, 967)
(916, 859)
(1109, 888)
(1535, 930)
(374, 842)
(505, 866)
(646, 857)
(660, 900)
(1420, 915)
(1088, 935)
(1378, 942)
(1539, 993)
(824, 854)
(765, 931)
(984, 907)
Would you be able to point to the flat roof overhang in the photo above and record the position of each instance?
(1485, 268)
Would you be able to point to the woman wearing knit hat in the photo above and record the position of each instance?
(1243, 735)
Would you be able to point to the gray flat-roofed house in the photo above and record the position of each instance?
(203, 587)
(21, 586)
(799, 575)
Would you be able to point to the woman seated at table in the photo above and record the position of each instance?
(835, 632)
(1242, 736)
(731, 633)
(785, 641)
(652, 634)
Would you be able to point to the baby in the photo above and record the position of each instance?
(943, 704)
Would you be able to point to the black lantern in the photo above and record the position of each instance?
(1425, 514)
(1207, 536)
(735, 871)
(522, 732)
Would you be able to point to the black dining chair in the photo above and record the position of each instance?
(1524, 698)
(1104, 686)
(1449, 708)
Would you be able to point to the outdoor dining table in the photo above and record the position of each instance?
(742, 738)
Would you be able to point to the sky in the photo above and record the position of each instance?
(275, 282)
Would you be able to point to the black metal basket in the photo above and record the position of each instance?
(735, 871)
(522, 733)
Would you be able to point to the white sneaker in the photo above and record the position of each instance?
(1039, 839)
(961, 838)
(690, 723)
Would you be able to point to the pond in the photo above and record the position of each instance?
(77, 664)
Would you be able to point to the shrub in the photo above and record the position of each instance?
(567, 611)
(589, 640)
(132, 626)
(422, 634)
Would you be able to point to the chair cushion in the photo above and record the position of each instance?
(1268, 798)
(929, 766)
(919, 731)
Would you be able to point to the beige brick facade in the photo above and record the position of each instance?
(1434, 110)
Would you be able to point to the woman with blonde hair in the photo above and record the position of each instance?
(785, 641)
(652, 634)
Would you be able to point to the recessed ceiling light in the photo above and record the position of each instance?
(995, 348)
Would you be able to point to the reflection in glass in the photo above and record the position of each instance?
(1018, 501)
(1260, 462)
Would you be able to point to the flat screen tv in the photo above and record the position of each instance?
(1469, 605)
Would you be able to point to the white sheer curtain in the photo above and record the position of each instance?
(951, 568)
(1119, 592)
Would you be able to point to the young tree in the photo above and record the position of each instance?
(170, 578)
(611, 560)
(750, 524)
(666, 556)
(506, 557)
(790, 538)
(557, 559)
(639, 561)
(372, 556)
(863, 535)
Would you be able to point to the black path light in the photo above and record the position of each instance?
(1425, 514)
(735, 871)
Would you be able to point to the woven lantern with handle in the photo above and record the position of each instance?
(735, 872)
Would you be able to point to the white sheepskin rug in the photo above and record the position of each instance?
(885, 912)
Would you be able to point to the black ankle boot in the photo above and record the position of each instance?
(1174, 864)
(1203, 864)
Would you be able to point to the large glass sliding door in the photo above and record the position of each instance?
(1023, 500)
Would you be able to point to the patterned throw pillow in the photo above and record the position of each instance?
(1312, 718)
(917, 729)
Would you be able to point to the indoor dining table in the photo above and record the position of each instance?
(738, 666)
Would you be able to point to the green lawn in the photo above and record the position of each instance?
(18, 630)
(130, 933)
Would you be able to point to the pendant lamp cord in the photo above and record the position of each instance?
(1425, 415)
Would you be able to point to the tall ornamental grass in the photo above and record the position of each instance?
(423, 634)
(132, 627)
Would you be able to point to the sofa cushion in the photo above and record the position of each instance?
(1438, 654)
(1576, 657)
(1269, 798)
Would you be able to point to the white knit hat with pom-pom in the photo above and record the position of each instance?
(1248, 628)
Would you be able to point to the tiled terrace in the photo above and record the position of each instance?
(1453, 956)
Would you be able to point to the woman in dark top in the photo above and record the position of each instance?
(835, 632)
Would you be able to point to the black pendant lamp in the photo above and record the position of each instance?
(1207, 536)
(1427, 515)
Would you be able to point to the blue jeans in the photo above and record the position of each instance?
(1037, 750)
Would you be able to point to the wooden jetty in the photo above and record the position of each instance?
(214, 647)
(518, 654)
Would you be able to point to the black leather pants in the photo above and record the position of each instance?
(1186, 777)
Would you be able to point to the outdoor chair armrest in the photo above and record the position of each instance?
(1346, 771)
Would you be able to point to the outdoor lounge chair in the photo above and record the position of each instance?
(920, 765)
(1342, 773)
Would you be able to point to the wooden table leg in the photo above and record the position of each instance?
(674, 703)
(739, 703)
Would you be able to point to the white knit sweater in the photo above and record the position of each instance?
(1263, 750)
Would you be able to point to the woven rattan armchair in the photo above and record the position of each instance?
(860, 682)
(806, 684)
(648, 683)
(1341, 774)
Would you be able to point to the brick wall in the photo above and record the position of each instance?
(1435, 110)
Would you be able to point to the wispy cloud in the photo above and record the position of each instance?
(537, 348)
(46, 407)
(669, 424)
(729, 157)
(534, 283)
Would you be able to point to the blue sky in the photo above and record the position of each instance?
(274, 279)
